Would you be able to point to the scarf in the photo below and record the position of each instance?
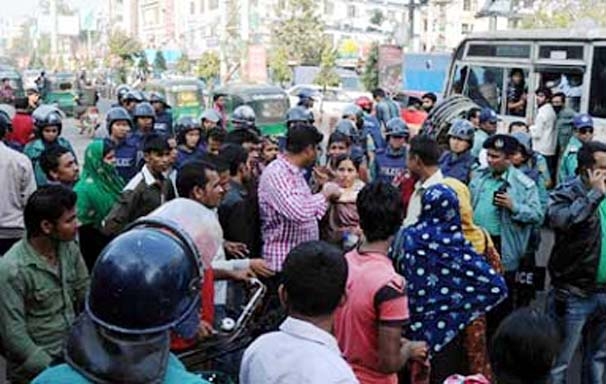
(449, 284)
(100, 186)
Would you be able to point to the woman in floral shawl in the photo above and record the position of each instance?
(449, 284)
(98, 189)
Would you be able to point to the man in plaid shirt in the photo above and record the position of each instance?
(289, 211)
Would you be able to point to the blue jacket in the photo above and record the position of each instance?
(516, 225)
(63, 373)
(534, 170)
(457, 166)
(164, 123)
(184, 155)
(386, 110)
(126, 157)
(388, 164)
(372, 128)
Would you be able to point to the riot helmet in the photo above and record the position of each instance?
(299, 113)
(186, 124)
(396, 127)
(146, 280)
(121, 92)
(462, 129)
(144, 109)
(117, 114)
(134, 95)
(524, 141)
(157, 97)
(46, 116)
(244, 116)
(348, 128)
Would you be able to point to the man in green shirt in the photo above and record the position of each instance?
(582, 133)
(43, 280)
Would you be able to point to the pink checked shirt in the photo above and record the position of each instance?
(289, 211)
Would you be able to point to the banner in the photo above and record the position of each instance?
(390, 67)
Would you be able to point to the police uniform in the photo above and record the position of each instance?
(389, 163)
(126, 157)
(457, 166)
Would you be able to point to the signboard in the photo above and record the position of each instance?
(390, 67)
(257, 64)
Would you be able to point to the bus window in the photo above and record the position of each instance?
(569, 81)
(484, 86)
(517, 92)
(597, 96)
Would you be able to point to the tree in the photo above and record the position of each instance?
(209, 67)
(298, 32)
(183, 65)
(278, 64)
(370, 76)
(377, 17)
(327, 77)
(566, 14)
(159, 62)
(143, 64)
(123, 46)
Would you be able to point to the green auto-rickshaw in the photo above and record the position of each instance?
(270, 104)
(184, 95)
(63, 91)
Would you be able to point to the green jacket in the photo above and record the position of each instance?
(517, 225)
(563, 127)
(569, 162)
(37, 306)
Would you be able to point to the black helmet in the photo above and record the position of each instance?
(146, 280)
(117, 114)
(121, 91)
(46, 116)
(299, 113)
(134, 95)
(244, 115)
(157, 97)
(144, 109)
(5, 124)
(184, 125)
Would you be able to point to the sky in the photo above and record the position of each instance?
(12, 8)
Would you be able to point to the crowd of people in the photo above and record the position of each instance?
(392, 258)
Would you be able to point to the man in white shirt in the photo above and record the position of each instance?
(543, 131)
(18, 183)
(304, 350)
(424, 163)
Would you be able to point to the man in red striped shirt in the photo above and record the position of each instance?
(289, 211)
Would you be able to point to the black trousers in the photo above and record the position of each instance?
(6, 244)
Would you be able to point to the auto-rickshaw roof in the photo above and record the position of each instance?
(246, 90)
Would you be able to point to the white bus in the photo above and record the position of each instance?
(569, 61)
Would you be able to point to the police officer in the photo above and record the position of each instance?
(164, 119)
(244, 117)
(119, 127)
(144, 118)
(131, 99)
(306, 98)
(210, 119)
(582, 132)
(189, 138)
(458, 161)
(391, 161)
(372, 126)
(121, 91)
(123, 335)
(299, 114)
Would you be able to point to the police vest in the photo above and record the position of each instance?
(457, 167)
(388, 164)
(126, 158)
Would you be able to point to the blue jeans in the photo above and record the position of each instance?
(581, 320)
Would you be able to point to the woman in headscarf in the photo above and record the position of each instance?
(98, 189)
(449, 284)
(475, 339)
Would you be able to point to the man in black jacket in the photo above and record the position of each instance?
(577, 213)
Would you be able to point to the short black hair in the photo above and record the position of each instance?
(241, 136)
(218, 134)
(233, 155)
(426, 149)
(21, 103)
(524, 347)
(473, 112)
(545, 91)
(301, 135)
(217, 95)
(155, 142)
(339, 137)
(193, 174)
(517, 123)
(314, 278)
(356, 160)
(559, 94)
(380, 209)
(216, 161)
(585, 157)
(430, 95)
(49, 159)
(48, 203)
(378, 92)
